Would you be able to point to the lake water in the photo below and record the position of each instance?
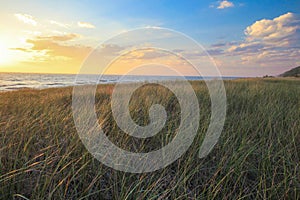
(15, 81)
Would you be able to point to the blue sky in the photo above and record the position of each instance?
(211, 23)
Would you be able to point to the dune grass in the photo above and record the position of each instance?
(257, 156)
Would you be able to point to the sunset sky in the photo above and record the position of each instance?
(245, 37)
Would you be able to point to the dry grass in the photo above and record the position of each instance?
(257, 156)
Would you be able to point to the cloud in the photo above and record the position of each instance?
(51, 47)
(21, 49)
(225, 4)
(150, 58)
(273, 57)
(245, 48)
(223, 44)
(85, 25)
(109, 49)
(59, 24)
(281, 29)
(27, 19)
(214, 52)
(270, 41)
(64, 37)
(269, 46)
(145, 54)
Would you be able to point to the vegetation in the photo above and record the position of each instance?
(295, 72)
(257, 156)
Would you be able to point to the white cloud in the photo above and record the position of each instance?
(85, 25)
(270, 33)
(225, 4)
(280, 29)
(27, 19)
(59, 24)
(273, 42)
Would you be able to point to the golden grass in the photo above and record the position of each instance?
(257, 156)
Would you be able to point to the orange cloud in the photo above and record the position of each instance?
(75, 52)
(50, 52)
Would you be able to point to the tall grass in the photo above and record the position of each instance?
(257, 156)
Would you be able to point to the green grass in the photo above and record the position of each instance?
(257, 156)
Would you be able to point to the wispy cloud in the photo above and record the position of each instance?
(20, 49)
(85, 25)
(225, 4)
(65, 37)
(59, 24)
(27, 19)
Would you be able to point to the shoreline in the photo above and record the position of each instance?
(39, 81)
(132, 82)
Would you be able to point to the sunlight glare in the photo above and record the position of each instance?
(4, 57)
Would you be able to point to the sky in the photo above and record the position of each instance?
(243, 37)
